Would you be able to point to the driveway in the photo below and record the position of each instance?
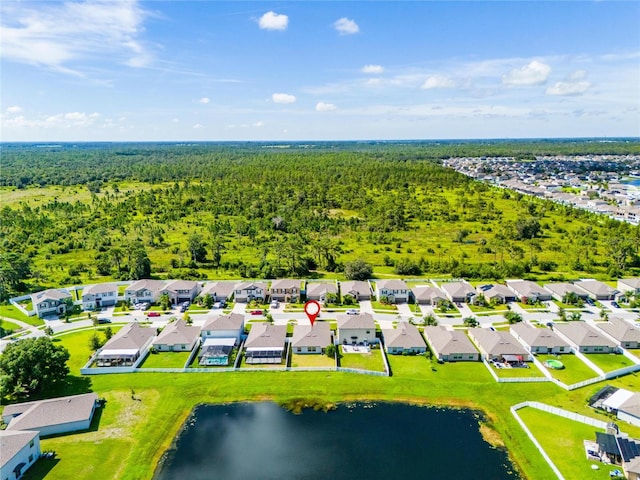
(405, 310)
(366, 307)
(239, 308)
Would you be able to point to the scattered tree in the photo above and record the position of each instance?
(358, 270)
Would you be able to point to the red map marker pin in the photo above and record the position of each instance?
(312, 309)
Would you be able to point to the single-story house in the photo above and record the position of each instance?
(219, 291)
(311, 339)
(621, 451)
(356, 329)
(223, 326)
(498, 345)
(95, 297)
(458, 292)
(527, 290)
(318, 291)
(625, 404)
(496, 292)
(539, 340)
(266, 343)
(427, 294)
(180, 291)
(596, 289)
(629, 285)
(560, 290)
(126, 346)
(246, 292)
(285, 290)
(627, 335)
(585, 338)
(395, 291)
(146, 290)
(20, 449)
(177, 337)
(216, 351)
(405, 338)
(450, 345)
(356, 289)
(50, 302)
(53, 416)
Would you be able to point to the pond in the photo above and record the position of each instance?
(263, 441)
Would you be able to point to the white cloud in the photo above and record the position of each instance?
(14, 109)
(345, 26)
(57, 35)
(283, 98)
(437, 81)
(325, 107)
(374, 69)
(273, 21)
(258, 124)
(569, 88)
(198, 126)
(534, 73)
(204, 100)
(59, 120)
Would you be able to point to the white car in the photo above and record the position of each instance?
(275, 304)
(352, 311)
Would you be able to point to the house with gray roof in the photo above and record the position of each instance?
(356, 329)
(405, 338)
(395, 291)
(597, 290)
(495, 292)
(560, 290)
(177, 337)
(223, 326)
(499, 345)
(95, 297)
(266, 343)
(126, 346)
(50, 302)
(219, 291)
(450, 345)
(427, 294)
(318, 291)
(585, 338)
(246, 292)
(625, 404)
(180, 291)
(526, 291)
(539, 340)
(146, 290)
(356, 289)
(311, 339)
(285, 290)
(20, 450)
(626, 334)
(53, 416)
(629, 285)
(458, 292)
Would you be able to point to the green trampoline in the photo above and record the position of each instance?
(554, 364)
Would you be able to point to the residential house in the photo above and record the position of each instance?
(318, 291)
(405, 338)
(177, 337)
(311, 339)
(450, 345)
(458, 292)
(246, 292)
(53, 416)
(427, 295)
(625, 404)
(356, 289)
(560, 290)
(585, 338)
(50, 302)
(126, 346)
(356, 329)
(216, 351)
(180, 291)
(95, 297)
(539, 340)
(223, 326)
(266, 343)
(20, 450)
(629, 285)
(395, 291)
(623, 451)
(627, 335)
(528, 291)
(285, 290)
(494, 292)
(219, 291)
(597, 290)
(146, 290)
(498, 345)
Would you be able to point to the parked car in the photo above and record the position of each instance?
(615, 305)
(352, 311)
(219, 305)
(256, 312)
(275, 304)
(102, 320)
(153, 314)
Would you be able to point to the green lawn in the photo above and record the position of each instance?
(383, 306)
(537, 307)
(10, 311)
(166, 360)
(363, 361)
(609, 361)
(78, 345)
(501, 307)
(532, 371)
(574, 371)
(310, 360)
(8, 325)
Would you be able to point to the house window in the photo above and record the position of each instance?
(298, 349)
(368, 332)
(312, 349)
(31, 444)
(470, 357)
(562, 349)
(30, 458)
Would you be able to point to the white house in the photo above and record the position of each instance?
(219, 291)
(126, 346)
(95, 297)
(223, 326)
(311, 339)
(458, 292)
(356, 289)
(585, 338)
(596, 289)
(496, 292)
(246, 292)
(498, 345)
(527, 290)
(560, 290)
(395, 291)
(539, 340)
(405, 338)
(180, 291)
(177, 337)
(356, 329)
(20, 450)
(450, 345)
(627, 335)
(629, 285)
(427, 295)
(318, 291)
(266, 343)
(146, 290)
(50, 302)
(626, 405)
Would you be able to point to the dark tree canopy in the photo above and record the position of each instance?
(358, 270)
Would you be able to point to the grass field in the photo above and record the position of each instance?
(532, 371)
(574, 371)
(363, 361)
(10, 311)
(609, 361)
(8, 325)
(166, 360)
(310, 360)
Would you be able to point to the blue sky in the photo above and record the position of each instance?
(323, 70)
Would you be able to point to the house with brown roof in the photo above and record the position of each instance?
(596, 289)
(526, 291)
(126, 346)
(450, 345)
(627, 335)
(223, 326)
(395, 291)
(404, 339)
(585, 338)
(246, 292)
(20, 450)
(266, 343)
(427, 294)
(285, 290)
(458, 292)
(180, 291)
(356, 289)
(560, 290)
(146, 290)
(53, 416)
(50, 302)
(219, 291)
(498, 345)
(539, 340)
(177, 337)
(356, 329)
(311, 339)
(318, 291)
(496, 293)
(95, 297)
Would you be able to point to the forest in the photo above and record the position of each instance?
(89, 213)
